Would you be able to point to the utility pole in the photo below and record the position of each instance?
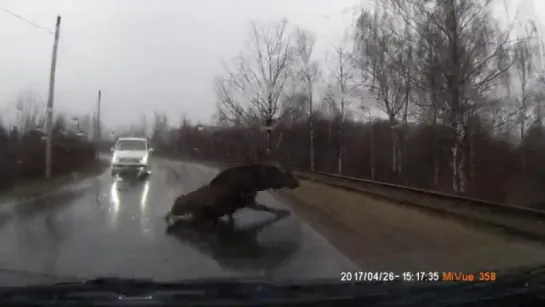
(98, 130)
(49, 119)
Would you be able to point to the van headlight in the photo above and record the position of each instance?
(144, 160)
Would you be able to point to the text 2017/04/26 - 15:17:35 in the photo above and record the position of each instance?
(362, 276)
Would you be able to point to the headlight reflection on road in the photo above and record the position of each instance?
(114, 198)
(144, 219)
(144, 196)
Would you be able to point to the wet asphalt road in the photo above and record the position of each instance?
(100, 227)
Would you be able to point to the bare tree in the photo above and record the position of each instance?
(85, 126)
(524, 67)
(470, 55)
(30, 111)
(538, 96)
(140, 129)
(252, 91)
(299, 108)
(308, 73)
(384, 56)
(160, 128)
(338, 94)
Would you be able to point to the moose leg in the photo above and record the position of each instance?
(206, 216)
(168, 218)
(171, 219)
(249, 200)
(200, 217)
(260, 207)
(231, 219)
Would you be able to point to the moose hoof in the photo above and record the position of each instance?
(169, 229)
(169, 220)
(283, 213)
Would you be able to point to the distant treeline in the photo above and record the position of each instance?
(22, 154)
(497, 169)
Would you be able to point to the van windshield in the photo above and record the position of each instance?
(131, 145)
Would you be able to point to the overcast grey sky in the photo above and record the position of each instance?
(148, 55)
(145, 55)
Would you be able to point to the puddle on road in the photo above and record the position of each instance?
(237, 248)
(122, 192)
(173, 176)
(26, 209)
(50, 202)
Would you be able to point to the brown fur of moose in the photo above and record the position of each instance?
(231, 190)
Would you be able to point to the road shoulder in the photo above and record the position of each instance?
(377, 234)
(29, 189)
(338, 234)
(381, 235)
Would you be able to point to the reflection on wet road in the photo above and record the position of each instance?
(103, 227)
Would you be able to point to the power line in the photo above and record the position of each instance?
(78, 76)
(26, 20)
(39, 27)
(76, 72)
(44, 29)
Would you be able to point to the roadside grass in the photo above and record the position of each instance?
(339, 215)
(36, 187)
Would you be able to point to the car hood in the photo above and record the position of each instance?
(16, 278)
(135, 154)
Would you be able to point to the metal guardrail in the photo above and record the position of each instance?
(468, 201)
(506, 208)
(435, 194)
(516, 220)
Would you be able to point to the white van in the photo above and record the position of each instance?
(131, 154)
